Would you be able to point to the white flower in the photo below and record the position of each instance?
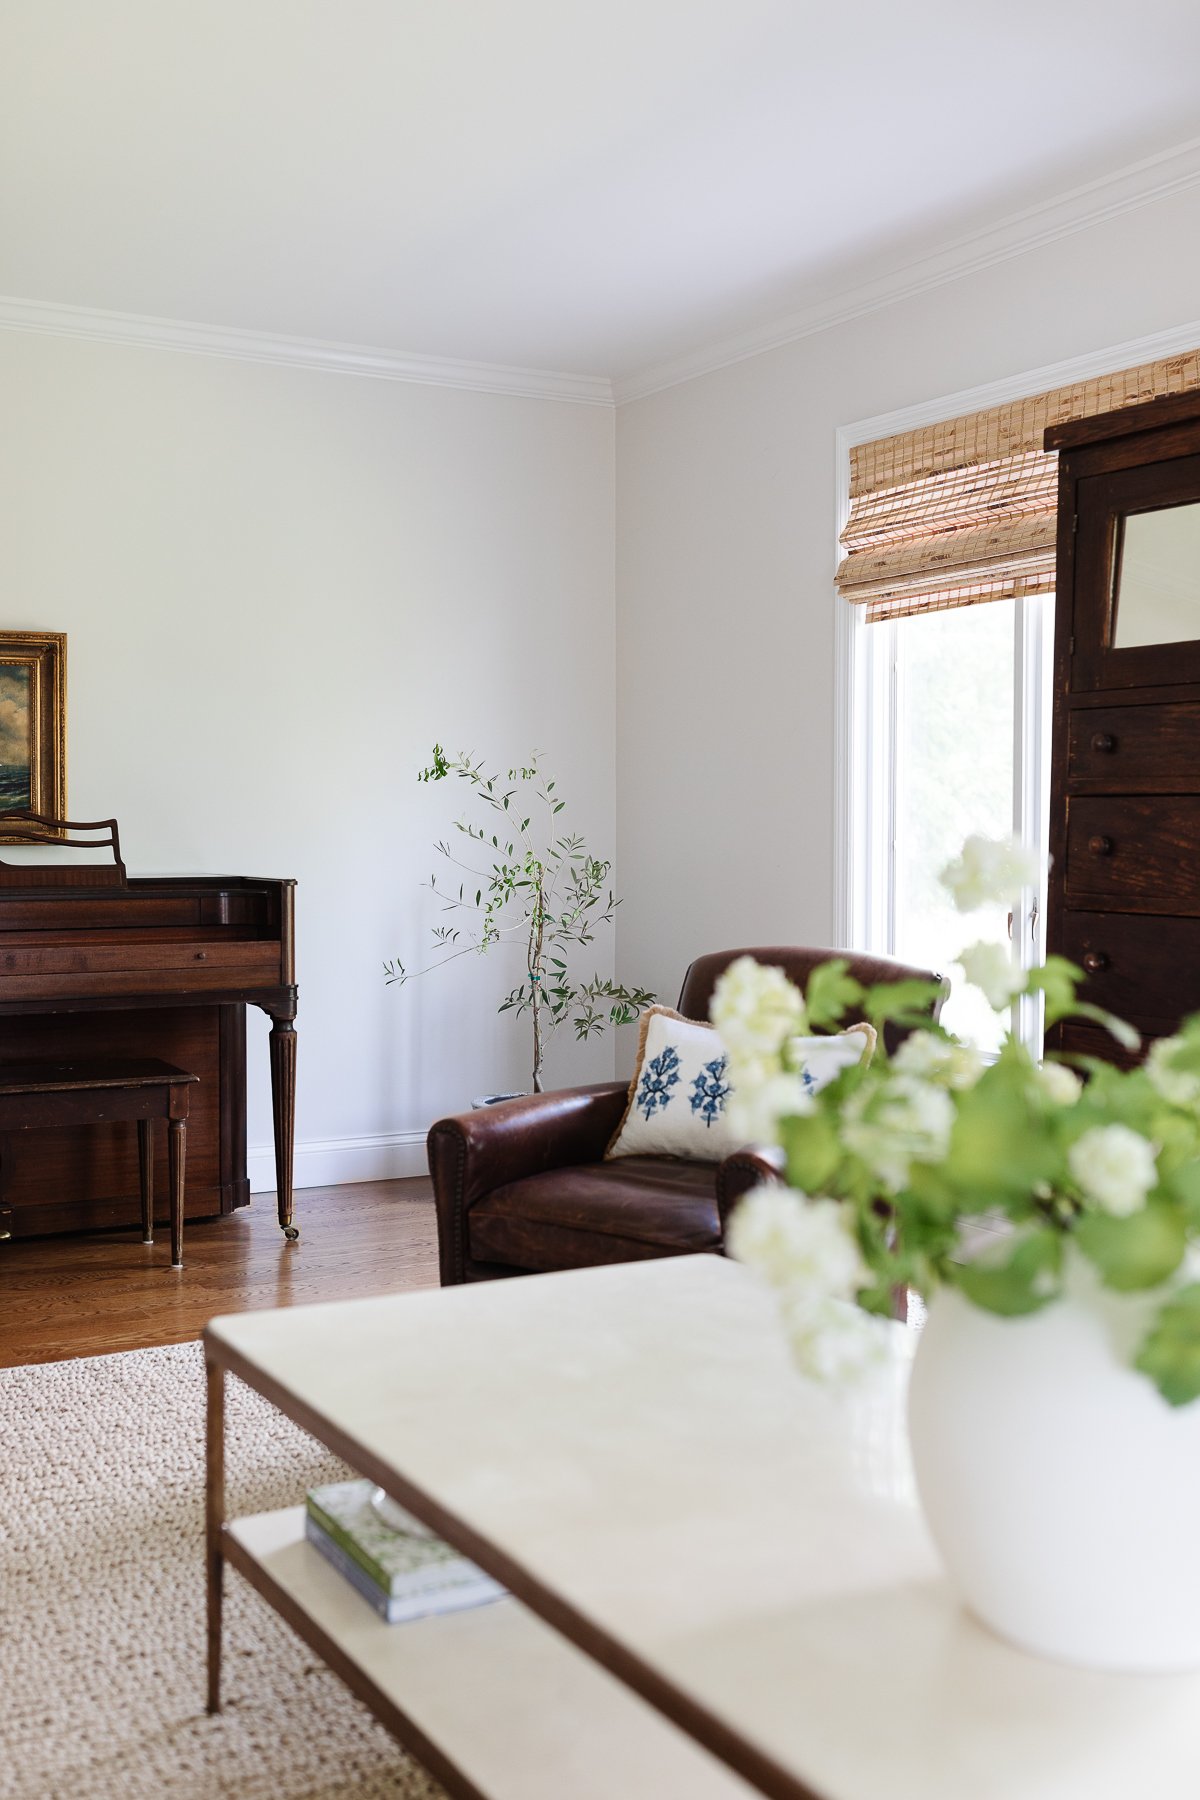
(990, 871)
(991, 967)
(1114, 1167)
(1180, 1086)
(803, 1245)
(756, 1009)
(760, 1099)
(895, 1122)
(1060, 1085)
(833, 1340)
(933, 1058)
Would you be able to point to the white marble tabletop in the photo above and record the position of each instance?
(632, 1451)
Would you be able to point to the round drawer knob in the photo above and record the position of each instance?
(202, 956)
(1095, 961)
(1100, 846)
(1104, 741)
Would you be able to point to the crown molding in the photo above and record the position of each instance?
(56, 320)
(1130, 354)
(1138, 184)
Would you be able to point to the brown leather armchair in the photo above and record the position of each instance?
(522, 1186)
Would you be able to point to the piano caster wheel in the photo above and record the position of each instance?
(291, 1233)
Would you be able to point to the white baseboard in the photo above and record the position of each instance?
(333, 1162)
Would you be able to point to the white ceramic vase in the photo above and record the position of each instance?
(1060, 1488)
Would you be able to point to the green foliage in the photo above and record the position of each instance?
(831, 994)
(1022, 1280)
(916, 1146)
(543, 891)
(1079, 1168)
(1000, 1146)
(813, 1149)
(1170, 1355)
(905, 1002)
(1057, 979)
(1135, 1252)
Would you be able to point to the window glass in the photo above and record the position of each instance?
(953, 776)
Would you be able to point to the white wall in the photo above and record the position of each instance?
(725, 561)
(280, 587)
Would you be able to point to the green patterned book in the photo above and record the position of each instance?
(397, 1564)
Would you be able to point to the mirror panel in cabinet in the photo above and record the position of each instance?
(1156, 577)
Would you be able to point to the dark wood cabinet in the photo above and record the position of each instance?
(1124, 899)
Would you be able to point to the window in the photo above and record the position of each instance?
(959, 709)
(948, 545)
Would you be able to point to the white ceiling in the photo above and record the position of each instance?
(589, 187)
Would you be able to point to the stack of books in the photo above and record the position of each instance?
(404, 1575)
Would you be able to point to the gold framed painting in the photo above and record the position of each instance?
(33, 723)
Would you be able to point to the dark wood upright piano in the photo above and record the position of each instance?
(93, 963)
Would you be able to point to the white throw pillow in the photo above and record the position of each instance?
(821, 1060)
(679, 1096)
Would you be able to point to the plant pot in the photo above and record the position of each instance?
(482, 1100)
(1060, 1488)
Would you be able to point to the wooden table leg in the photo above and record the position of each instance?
(283, 1111)
(146, 1167)
(177, 1146)
(214, 1520)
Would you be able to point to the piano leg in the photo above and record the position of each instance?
(283, 1109)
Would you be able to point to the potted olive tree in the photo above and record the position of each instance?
(539, 887)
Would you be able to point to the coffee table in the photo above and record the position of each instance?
(700, 1546)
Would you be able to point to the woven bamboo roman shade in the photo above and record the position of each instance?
(964, 511)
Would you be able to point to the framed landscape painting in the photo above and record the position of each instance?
(33, 723)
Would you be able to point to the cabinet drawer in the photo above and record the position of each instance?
(1145, 970)
(1131, 855)
(1135, 749)
(1075, 1039)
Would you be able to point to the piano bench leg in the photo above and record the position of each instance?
(146, 1169)
(177, 1148)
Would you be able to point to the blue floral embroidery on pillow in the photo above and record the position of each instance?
(660, 1076)
(710, 1090)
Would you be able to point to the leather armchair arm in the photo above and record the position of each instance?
(472, 1153)
(744, 1170)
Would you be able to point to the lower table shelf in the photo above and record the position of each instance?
(492, 1700)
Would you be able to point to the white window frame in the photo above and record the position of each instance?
(880, 675)
(863, 868)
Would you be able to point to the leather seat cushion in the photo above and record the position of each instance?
(619, 1211)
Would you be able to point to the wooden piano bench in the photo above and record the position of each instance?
(38, 1095)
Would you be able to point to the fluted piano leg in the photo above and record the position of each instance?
(283, 1109)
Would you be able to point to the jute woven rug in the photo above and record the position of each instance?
(102, 1601)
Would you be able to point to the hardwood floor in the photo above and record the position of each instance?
(86, 1296)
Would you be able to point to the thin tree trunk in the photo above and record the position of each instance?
(536, 928)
